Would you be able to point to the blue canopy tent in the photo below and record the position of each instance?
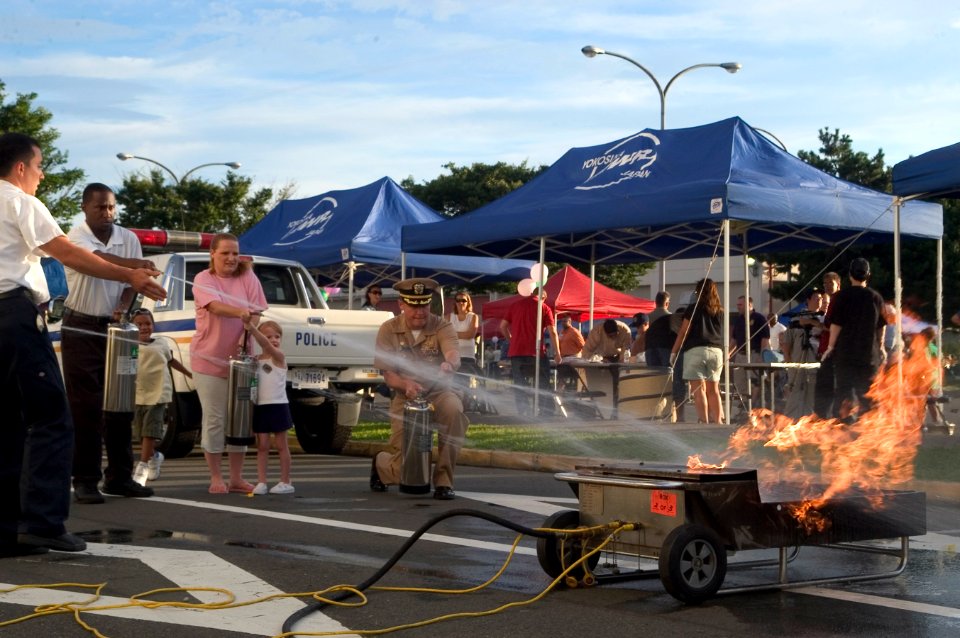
(676, 193)
(334, 233)
(662, 194)
(934, 174)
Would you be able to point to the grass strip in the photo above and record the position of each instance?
(932, 464)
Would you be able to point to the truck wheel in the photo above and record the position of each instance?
(182, 423)
(315, 422)
(693, 563)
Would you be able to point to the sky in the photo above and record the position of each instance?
(329, 94)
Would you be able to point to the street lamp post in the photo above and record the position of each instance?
(730, 67)
(776, 140)
(177, 180)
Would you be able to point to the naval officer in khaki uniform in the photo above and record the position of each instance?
(417, 352)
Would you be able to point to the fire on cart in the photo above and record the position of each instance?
(690, 520)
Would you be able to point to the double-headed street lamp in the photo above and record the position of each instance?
(126, 156)
(730, 67)
(177, 180)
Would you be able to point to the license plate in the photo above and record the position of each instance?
(308, 378)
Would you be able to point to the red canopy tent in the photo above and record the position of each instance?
(568, 292)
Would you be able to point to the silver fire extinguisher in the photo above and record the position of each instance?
(241, 397)
(415, 446)
(120, 373)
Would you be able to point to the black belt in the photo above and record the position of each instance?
(19, 291)
(82, 317)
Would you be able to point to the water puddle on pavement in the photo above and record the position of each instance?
(121, 536)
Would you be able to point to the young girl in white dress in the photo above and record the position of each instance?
(271, 414)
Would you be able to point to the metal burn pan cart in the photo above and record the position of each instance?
(689, 520)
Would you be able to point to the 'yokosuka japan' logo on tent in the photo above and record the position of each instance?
(310, 225)
(629, 159)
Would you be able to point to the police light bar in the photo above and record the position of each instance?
(173, 240)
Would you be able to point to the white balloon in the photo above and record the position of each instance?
(539, 273)
(525, 287)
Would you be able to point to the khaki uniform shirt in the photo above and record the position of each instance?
(416, 358)
(598, 342)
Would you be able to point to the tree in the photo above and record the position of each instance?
(840, 160)
(467, 188)
(918, 257)
(60, 189)
(193, 204)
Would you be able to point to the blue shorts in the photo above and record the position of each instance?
(272, 417)
(703, 363)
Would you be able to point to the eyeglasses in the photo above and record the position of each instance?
(141, 311)
(375, 292)
(461, 301)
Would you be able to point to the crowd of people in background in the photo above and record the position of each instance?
(810, 335)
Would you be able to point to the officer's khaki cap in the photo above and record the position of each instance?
(417, 291)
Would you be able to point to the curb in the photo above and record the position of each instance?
(937, 490)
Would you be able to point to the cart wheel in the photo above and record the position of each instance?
(693, 563)
(556, 554)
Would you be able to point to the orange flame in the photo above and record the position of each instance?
(827, 457)
(694, 463)
(809, 518)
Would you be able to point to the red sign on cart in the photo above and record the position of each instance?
(663, 503)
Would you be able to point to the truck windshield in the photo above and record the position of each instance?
(280, 285)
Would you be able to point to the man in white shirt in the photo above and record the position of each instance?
(776, 329)
(92, 303)
(35, 456)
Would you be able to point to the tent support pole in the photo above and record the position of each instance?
(940, 309)
(593, 280)
(746, 331)
(403, 265)
(351, 269)
(726, 317)
(898, 301)
(539, 339)
(663, 274)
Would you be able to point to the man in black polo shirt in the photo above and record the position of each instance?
(856, 340)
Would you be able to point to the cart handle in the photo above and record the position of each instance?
(574, 477)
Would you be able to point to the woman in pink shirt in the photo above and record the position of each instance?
(225, 295)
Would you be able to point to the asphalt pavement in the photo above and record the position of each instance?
(179, 545)
(192, 551)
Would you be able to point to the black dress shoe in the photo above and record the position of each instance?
(444, 493)
(10, 550)
(65, 542)
(129, 488)
(87, 494)
(375, 483)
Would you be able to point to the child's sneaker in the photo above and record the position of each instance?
(141, 473)
(281, 488)
(260, 489)
(154, 466)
